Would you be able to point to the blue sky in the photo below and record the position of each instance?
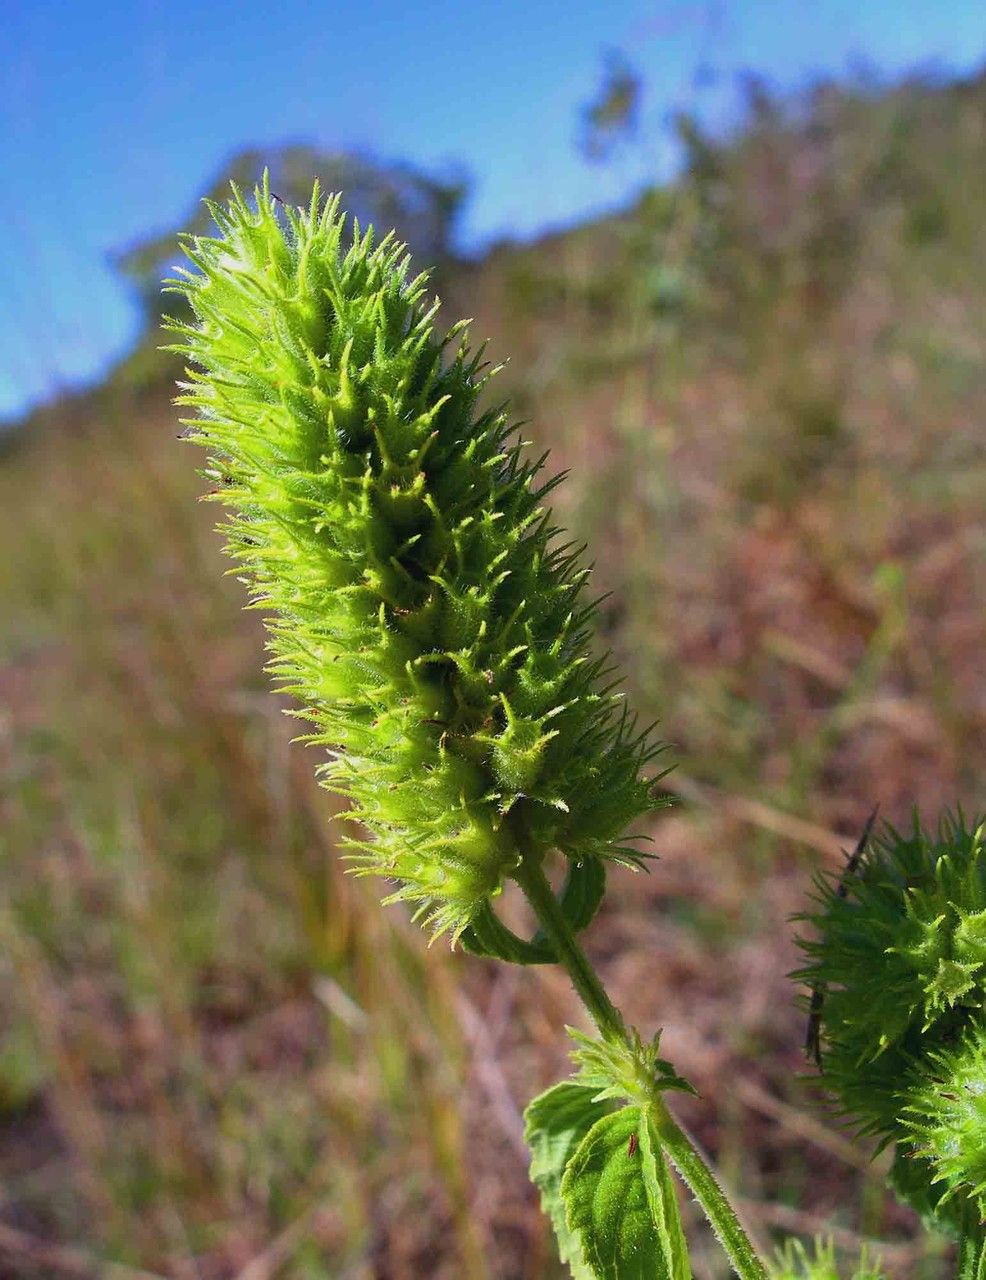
(114, 115)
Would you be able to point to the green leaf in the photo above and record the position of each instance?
(579, 900)
(621, 1203)
(556, 1123)
(663, 1200)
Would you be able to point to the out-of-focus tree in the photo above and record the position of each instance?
(612, 118)
(422, 207)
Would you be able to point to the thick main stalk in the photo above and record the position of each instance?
(679, 1147)
(696, 1173)
(538, 892)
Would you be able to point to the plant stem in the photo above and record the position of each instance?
(683, 1153)
(539, 893)
(972, 1250)
(702, 1181)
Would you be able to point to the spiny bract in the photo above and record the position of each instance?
(899, 965)
(946, 1117)
(421, 604)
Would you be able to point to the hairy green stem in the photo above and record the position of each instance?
(539, 893)
(972, 1248)
(683, 1153)
(700, 1178)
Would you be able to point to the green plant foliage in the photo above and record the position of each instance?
(909, 1179)
(796, 1263)
(23, 1071)
(946, 1116)
(601, 1203)
(899, 969)
(422, 606)
(579, 900)
(625, 1067)
(620, 1201)
(972, 1253)
(555, 1124)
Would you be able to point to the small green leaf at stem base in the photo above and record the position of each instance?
(578, 901)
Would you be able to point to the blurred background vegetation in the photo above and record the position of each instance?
(220, 1057)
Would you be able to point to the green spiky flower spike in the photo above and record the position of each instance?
(425, 610)
(421, 604)
(898, 965)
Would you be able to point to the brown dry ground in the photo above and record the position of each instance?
(219, 1057)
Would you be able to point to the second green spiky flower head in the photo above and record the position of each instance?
(898, 968)
(421, 605)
